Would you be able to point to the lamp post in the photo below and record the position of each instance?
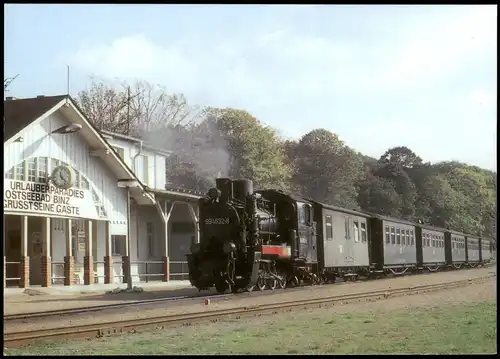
(128, 184)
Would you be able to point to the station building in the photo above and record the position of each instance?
(65, 213)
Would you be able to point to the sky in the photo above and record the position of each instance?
(378, 76)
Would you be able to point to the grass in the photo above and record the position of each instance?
(445, 329)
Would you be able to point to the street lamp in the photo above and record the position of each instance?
(128, 184)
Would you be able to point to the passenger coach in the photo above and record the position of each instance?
(343, 240)
(393, 244)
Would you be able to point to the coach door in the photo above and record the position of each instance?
(307, 232)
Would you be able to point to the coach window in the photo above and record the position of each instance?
(393, 235)
(398, 236)
(412, 238)
(356, 231)
(427, 239)
(347, 234)
(329, 228)
(363, 232)
(387, 235)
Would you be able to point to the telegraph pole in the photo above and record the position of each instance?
(128, 110)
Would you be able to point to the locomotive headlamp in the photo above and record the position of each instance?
(214, 193)
(229, 247)
(195, 248)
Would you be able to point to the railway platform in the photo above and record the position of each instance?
(37, 298)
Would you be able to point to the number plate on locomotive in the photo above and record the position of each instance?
(220, 220)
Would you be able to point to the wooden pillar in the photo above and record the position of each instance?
(24, 265)
(166, 261)
(46, 253)
(194, 212)
(88, 262)
(4, 253)
(108, 257)
(69, 261)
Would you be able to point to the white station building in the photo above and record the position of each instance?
(67, 186)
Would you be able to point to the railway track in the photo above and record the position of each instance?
(17, 339)
(98, 308)
(9, 318)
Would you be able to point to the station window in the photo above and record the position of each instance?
(363, 232)
(329, 228)
(387, 235)
(41, 164)
(54, 163)
(120, 151)
(356, 231)
(85, 183)
(118, 244)
(77, 180)
(144, 171)
(151, 238)
(398, 236)
(31, 163)
(10, 174)
(393, 235)
(19, 171)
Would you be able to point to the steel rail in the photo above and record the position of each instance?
(17, 339)
(96, 308)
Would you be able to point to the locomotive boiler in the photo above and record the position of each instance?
(238, 230)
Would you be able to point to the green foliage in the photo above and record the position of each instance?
(326, 169)
(232, 142)
(255, 150)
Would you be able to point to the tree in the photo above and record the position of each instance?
(327, 170)
(7, 81)
(402, 156)
(378, 195)
(138, 110)
(403, 185)
(254, 150)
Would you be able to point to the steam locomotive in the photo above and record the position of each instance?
(268, 239)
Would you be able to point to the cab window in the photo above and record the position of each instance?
(302, 215)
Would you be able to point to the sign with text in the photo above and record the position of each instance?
(31, 197)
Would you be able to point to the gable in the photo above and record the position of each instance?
(19, 114)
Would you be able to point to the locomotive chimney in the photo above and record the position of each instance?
(242, 188)
(225, 186)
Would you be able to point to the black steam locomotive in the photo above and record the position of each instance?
(269, 239)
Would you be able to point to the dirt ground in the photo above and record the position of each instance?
(283, 296)
(39, 303)
(460, 320)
